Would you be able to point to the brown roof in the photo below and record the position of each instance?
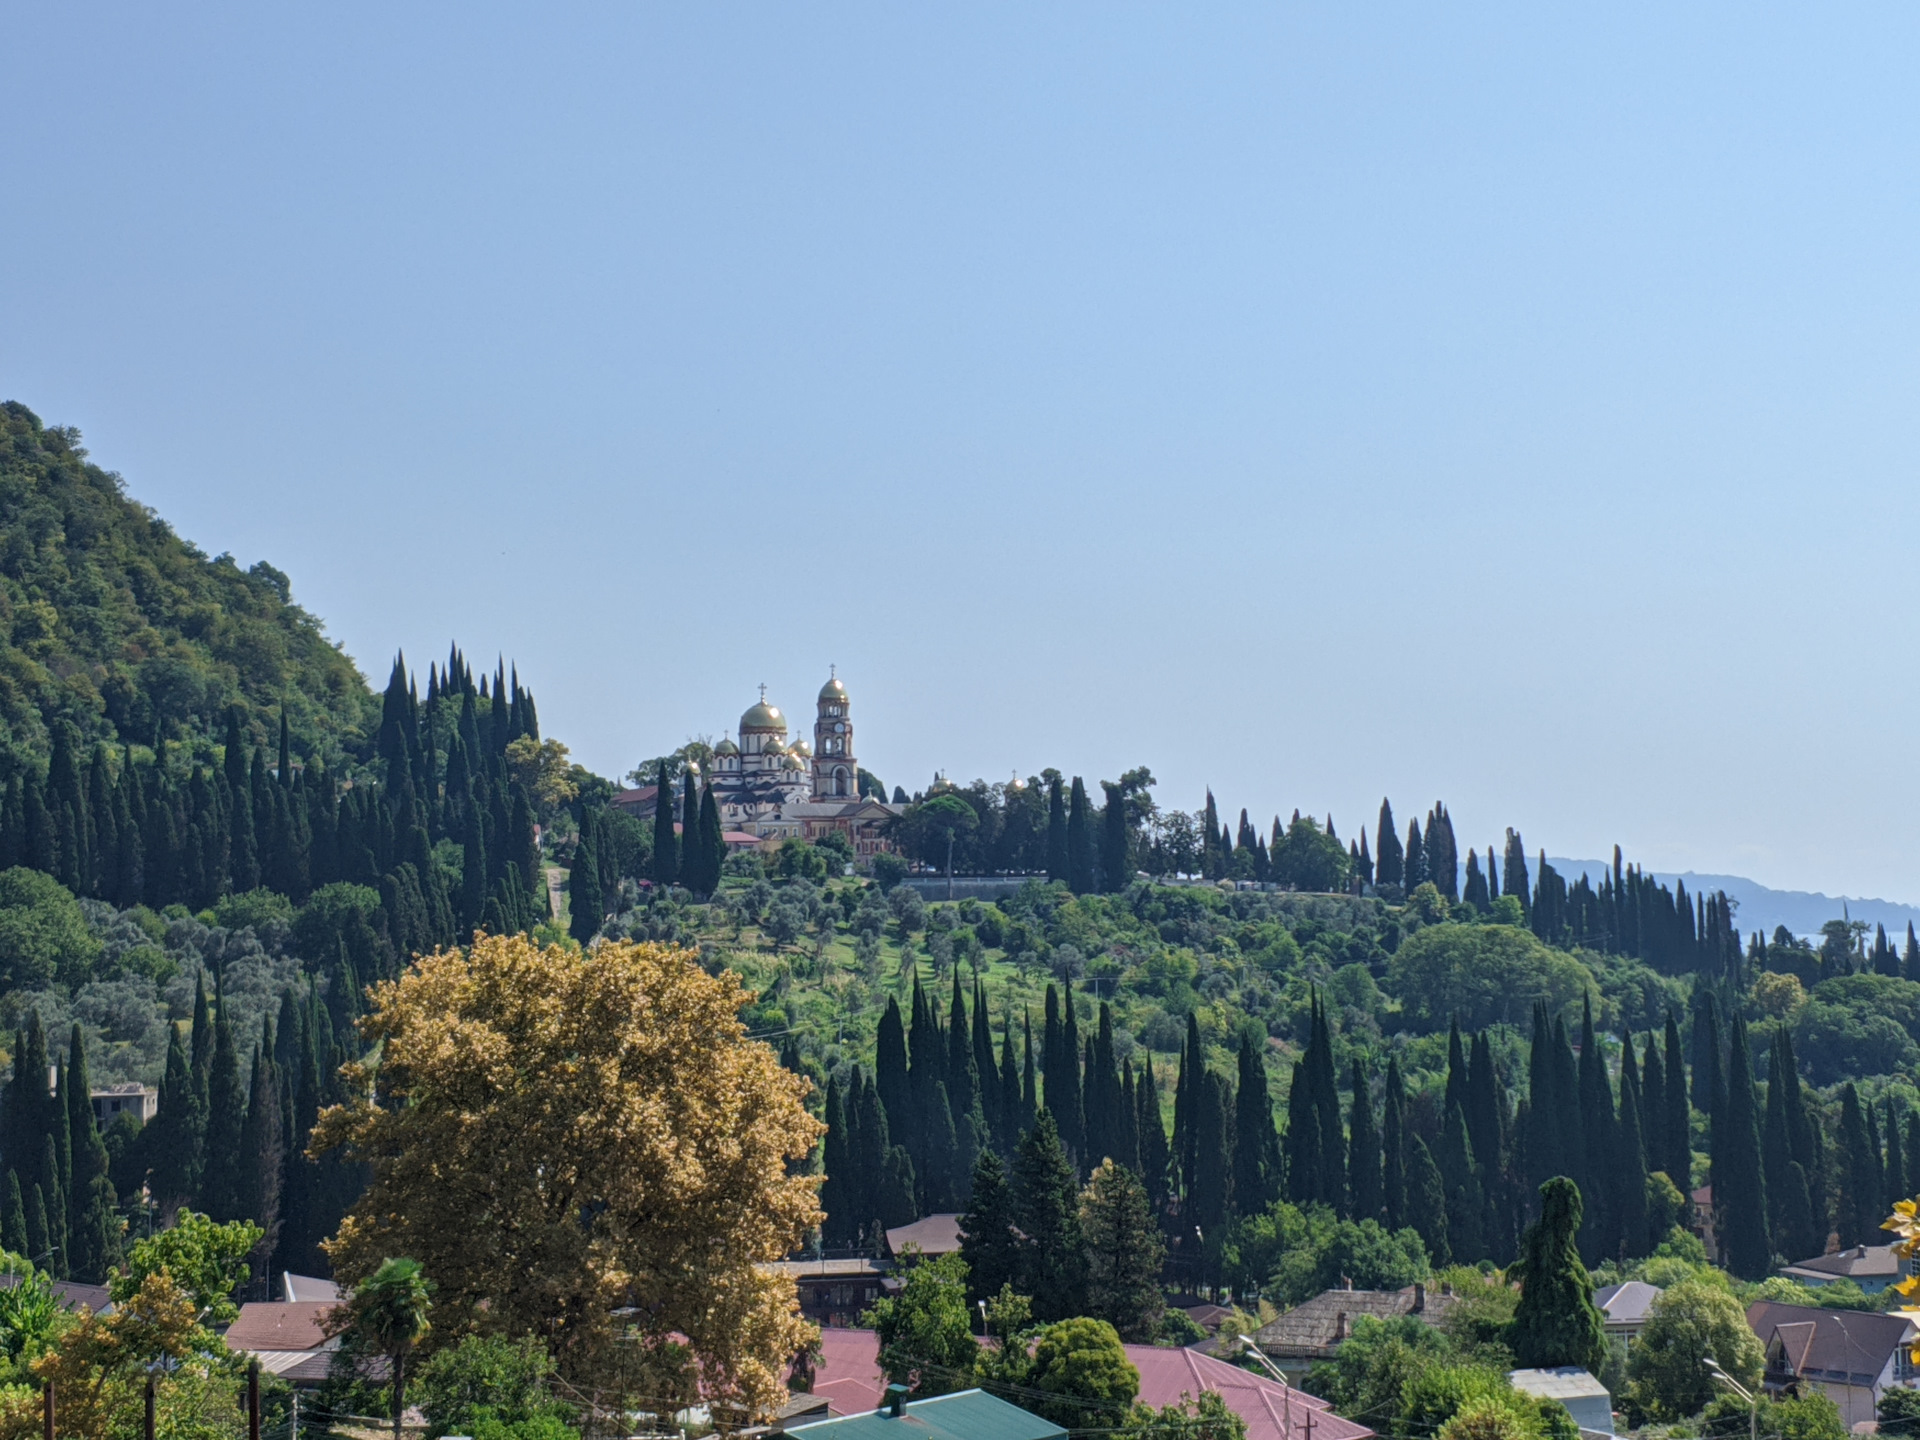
(1847, 1347)
(1873, 1261)
(1316, 1328)
(280, 1325)
(934, 1234)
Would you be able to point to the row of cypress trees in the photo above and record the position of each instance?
(158, 834)
(909, 1138)
(228, 1139)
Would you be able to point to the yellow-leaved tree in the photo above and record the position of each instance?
(587, 1148)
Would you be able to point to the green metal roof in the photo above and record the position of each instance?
(964, 1415)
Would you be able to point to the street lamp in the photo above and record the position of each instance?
(1753, 1401)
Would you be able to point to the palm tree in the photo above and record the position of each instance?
(388, 1315)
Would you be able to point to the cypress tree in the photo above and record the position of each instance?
(842, 1224)
(1555, 1323)
(1393, 1149)
(1029, 1081)
(585, 906)
(1069, 1114)
(1741, 1206)
(1544, 1142)
(666, 845)
(1859, 1209)
(1465, 1202)
(1256, 1147)
(1514, 870)
(1677, 1127)
(1155, 1155)
(174, 1135)
(1790, 1213)
(1303, 1140)
(690, 856)
(56, 1211)
(1056, 831)
(1364, 1172)
(39, 1242)
(95, 1233)
(1416, 861)
(1213, 1151)
(1427, 1202)
(1653, 1107)
(226, 1116)
(1630, 1166)
(713, 838)
(890, 1067)
(1115, 835)
(1443, 858)
(1388, 866)
(13, 1220)
(1079, 841)
(1325, 1092)
(1475, 890)
(1600, 1233)
(1897, 1185)
(263, 1153)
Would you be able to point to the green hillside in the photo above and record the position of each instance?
(110, 620)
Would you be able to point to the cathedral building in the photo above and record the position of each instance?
(774, 789)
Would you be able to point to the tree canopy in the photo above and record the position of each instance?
(553, 1130)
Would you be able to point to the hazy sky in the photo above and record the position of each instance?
(1511, 405)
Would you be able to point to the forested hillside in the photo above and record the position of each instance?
(1277, 1029)
(113, 623)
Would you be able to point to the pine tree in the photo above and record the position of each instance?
(1047, 1212)
(1079, 841)
(989, 1242)
(1740, 1200)
(1364, 1173)
(1124, 1253)
(1555, 1322)
(1393, 1149)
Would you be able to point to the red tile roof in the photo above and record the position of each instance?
(849, 1377)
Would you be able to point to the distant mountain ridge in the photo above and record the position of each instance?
(1760, 907)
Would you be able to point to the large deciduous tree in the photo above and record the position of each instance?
(557, 1137)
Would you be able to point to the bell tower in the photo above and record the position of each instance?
(836, 774)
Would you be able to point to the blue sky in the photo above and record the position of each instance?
(1510, 405)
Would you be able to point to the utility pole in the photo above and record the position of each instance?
(253, 1400)
(149, 1429)
(47, 1410)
